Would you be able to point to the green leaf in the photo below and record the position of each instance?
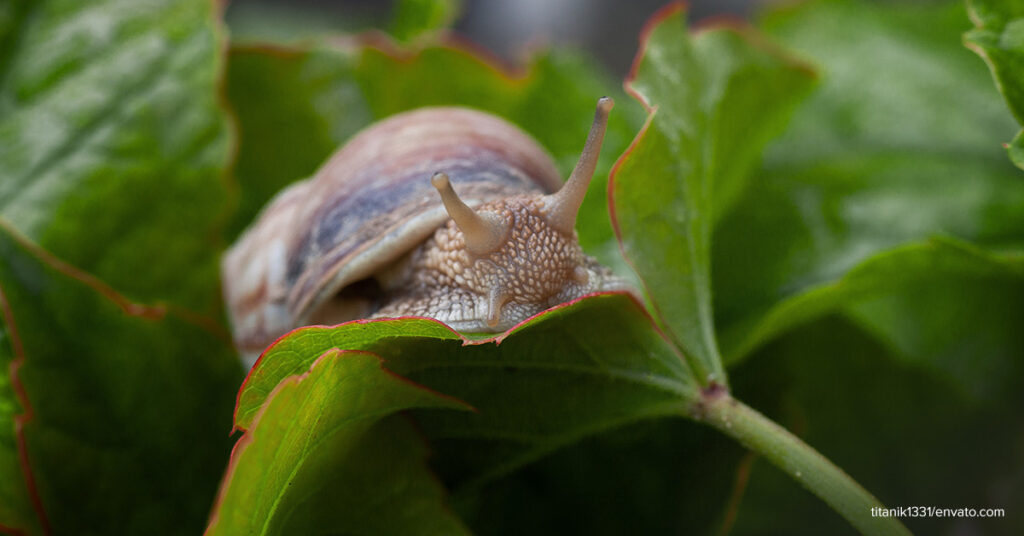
(1016, 149)
(413, 18)
(714, 99)
(884, 274)
(959, 319)
(271, 22)
(849, 199)
(12, 15)
(130, 403)
(325, 454)
(998, 38)
(112, 142)
(306, 105)
(310, 100)
(567, 374)
(295, 354)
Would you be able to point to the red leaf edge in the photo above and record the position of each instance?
(24, 418)
(496, 339)
(247, 437)
(722, 22)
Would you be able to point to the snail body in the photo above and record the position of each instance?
(367, 237)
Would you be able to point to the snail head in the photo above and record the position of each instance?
(524, 249)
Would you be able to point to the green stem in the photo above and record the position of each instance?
(797, 459)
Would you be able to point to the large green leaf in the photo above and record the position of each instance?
(112, 141)
(295, 107)
(570, 373)
(111, 149)
(714, 99)
(999, 39)
(130, 403)
(848, 199)
(325, 455)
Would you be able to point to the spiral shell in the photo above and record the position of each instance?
(364, 209)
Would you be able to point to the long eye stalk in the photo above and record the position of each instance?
(563, 205)
(483, 234)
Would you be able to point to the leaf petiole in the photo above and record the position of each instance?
(820, 476)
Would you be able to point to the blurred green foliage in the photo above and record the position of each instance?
(415, 17)
(113, 145)
(998, 37)
(888, 210)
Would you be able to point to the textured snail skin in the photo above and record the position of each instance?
(536, 267)
(371, 214)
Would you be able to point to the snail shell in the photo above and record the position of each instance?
(366, 235)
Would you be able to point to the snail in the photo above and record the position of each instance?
(366, 236)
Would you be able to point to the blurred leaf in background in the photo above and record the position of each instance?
(128, 401)
(415, 17)
(112, 143)
(998, 37)
(296, 23)
(112, 150)
(869, 165)
(889, 211)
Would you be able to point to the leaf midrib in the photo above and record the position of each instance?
(307, 448)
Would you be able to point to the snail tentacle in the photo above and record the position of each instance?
(563, 205)
(483, 234)
(496, 299)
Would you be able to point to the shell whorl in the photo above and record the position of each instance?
(368, 205)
